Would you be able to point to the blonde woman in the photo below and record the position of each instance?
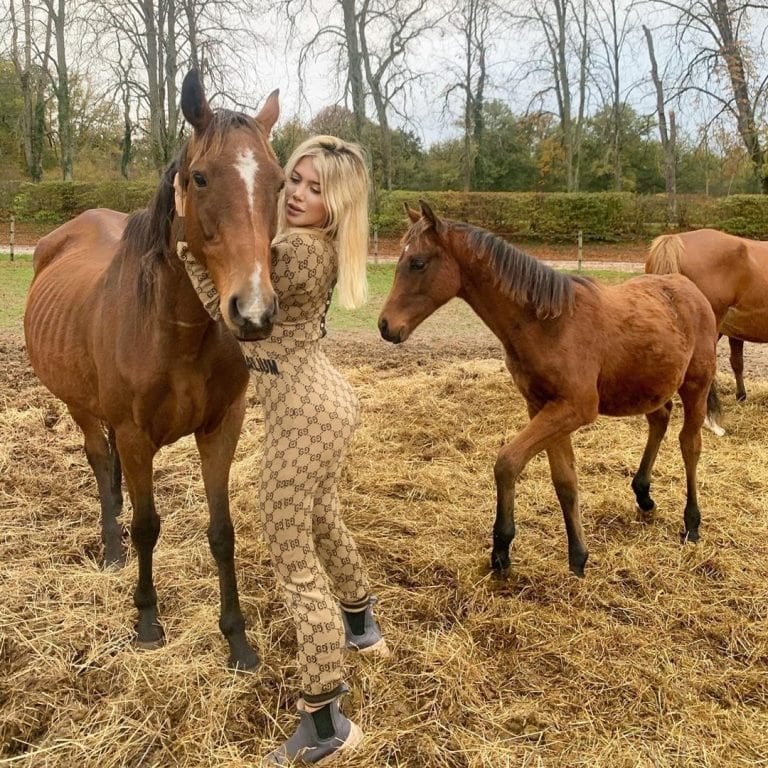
(310, 414)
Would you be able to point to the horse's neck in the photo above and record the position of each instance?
(479, 288)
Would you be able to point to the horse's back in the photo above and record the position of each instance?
(658, 331)
(94, 234)
(63, 302)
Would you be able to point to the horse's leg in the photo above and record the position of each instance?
(137, 453)
(737, 363)
(694, 408)
(217, 449)
(102, 455)
(562, 466)
(552, 422)
(658, 421)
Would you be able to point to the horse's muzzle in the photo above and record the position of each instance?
(387, 334)
(248, 329)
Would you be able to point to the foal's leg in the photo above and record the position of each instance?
(137, 452)
(694, 408)
(104, 460)
(658, 421)
(562, 465)
(737, 363)
(217, 449)
(554, 421)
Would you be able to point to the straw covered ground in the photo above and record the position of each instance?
(659, 657)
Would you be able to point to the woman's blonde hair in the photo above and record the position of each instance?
(343, 176)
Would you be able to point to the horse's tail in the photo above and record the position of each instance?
(714, 411)
(664, 255)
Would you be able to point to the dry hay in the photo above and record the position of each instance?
(659, 657)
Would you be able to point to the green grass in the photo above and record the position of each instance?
(456, 318)
(15, 277)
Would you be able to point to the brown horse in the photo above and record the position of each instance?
(732, 272)
(115, 329)
(575, 349)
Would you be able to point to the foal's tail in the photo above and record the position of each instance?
(664, 255)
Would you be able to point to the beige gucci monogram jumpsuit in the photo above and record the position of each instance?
(310, 414)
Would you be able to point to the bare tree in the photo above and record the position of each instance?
(668, 137)
(564, 27)
(612, 24)
(471, 21)
(387, 30)
(57, 13)
(31, 68)
(719, 32)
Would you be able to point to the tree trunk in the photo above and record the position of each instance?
(355, 66)
(64, 109)
(668, 139)
(734, 61)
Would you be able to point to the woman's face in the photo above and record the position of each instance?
(304, 205)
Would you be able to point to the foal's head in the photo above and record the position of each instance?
(427, 276)
(227, 184)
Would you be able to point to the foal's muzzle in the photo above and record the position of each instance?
(387, 333)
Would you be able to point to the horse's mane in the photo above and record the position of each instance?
(521, 277)
(147, 234)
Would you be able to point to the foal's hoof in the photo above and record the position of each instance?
(245, 660)
(149, 645)
(149, 638)
(689, 536)
(500, 563)
(646, 515)
(114, 560)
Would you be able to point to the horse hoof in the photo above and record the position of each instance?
(241, 664)
(646, 514)
(689, 536)
(149, 645)
(114, 562)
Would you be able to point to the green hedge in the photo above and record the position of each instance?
(525, 215)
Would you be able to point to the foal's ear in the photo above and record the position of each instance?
(270, 111)
(429, 215)
(194, 105)
(412, 213)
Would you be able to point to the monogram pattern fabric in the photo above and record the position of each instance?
(310, 414)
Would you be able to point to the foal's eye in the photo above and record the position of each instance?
(199, 179)
(417, 264)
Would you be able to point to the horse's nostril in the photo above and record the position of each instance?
(383, 326)
(234, 312)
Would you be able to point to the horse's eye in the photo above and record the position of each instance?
(281, 187)
(199, 179)
(417, 264)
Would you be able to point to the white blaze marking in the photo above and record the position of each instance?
(247, 167)
(254, 307)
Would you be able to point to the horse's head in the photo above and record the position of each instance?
(427, 276)
(227, 186)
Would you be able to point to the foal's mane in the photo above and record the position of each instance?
(147, 235)
(520, 277)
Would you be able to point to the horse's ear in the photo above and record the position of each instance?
(270, 111)
(412, 214)
(194, 105)
(429, 215)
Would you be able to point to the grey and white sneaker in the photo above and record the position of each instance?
(320, 737)
(361, 631)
